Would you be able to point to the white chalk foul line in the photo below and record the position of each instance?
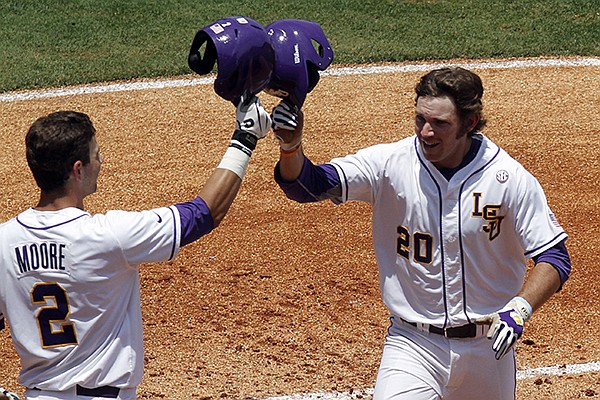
(115, 87)
(522, 374)
(364, 70)
(359, 70)
(559, 370)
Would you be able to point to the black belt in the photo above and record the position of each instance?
(102, 391)
(459, 332)
(109, 392)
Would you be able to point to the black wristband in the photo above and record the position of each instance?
(245, 138)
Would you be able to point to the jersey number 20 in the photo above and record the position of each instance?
(422, 245)
(51, 316)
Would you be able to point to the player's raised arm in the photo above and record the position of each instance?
(302, 50)
(288, 123)
(252, 123)
(245, 57)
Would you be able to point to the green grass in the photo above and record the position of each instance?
(53, 43)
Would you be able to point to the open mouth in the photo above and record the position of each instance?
(429, 145)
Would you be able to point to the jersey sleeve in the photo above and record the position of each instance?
(559, 258)
(196, 220)
(353, 177)
(147, 236)
(315, 183)
(535, 223)
(360, 173)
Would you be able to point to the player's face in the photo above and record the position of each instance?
(440, 131)
(92, 170)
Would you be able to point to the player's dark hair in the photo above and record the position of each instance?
(461, 85)
(54, 143)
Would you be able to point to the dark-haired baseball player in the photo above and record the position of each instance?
(454, 220)
(69, 281)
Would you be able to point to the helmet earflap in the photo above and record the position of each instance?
(313, 76)
(202, 63)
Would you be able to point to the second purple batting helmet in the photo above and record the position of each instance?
(301, 51)
(242, 51)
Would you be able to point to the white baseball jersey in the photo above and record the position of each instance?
(70, 290)
(449, 251)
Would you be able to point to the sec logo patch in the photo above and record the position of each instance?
(502, 176)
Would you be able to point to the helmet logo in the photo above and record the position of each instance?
(216, 28)
(296, 54)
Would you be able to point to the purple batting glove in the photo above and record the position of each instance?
(506, 326)
(507, 329)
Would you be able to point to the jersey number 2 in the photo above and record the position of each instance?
(53, 315)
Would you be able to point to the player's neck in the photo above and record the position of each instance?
(53, 201)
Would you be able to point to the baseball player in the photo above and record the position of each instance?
(69, 281)
(454, 219)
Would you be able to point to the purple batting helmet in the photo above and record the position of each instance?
(243, 52)
(301, 51)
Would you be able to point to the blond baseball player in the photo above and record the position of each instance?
(69, 280)
(454, 220)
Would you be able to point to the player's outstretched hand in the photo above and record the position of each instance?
(506, 325)
(252, 117)
(287, 125)
(252, 121)
(285, 116)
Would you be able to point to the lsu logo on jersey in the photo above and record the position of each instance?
(490, 214)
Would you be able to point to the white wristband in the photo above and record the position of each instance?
(235, 160)
(523, 307)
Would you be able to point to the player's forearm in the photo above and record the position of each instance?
(219, 192)
(288, 126)
(290, 165)
(542, 283)
(253, 123)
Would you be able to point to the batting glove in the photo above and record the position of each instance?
(506, 325)
(287, 126)
(4, 394)
(253, 122)
(285, 116)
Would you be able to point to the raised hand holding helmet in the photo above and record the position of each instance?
(252, 123)
(252, 119)
(285, 116)
(287, 125)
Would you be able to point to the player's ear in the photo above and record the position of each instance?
(76, 169)
(471, 122)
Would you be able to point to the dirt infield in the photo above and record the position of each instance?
(283, 298)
